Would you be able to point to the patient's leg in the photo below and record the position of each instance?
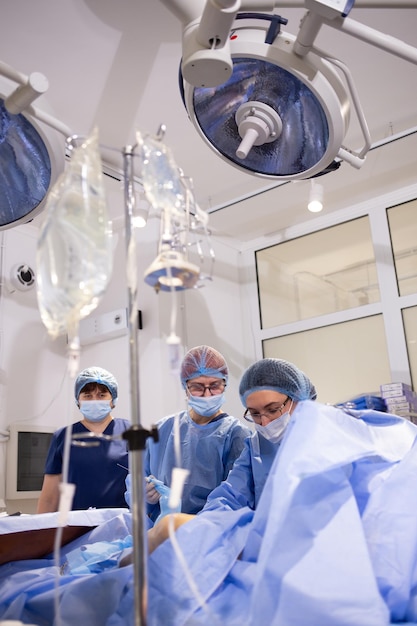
(160, 532)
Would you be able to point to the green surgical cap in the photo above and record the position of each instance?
(276, 375)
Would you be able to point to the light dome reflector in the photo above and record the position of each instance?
(25, 168)
(306, 93)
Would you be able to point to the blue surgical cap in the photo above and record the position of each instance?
(203, 361)
(276, 375)
(96, 375)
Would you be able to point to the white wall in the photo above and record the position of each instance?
(34, 385)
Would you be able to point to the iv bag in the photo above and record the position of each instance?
(74, 253)
(160, 175)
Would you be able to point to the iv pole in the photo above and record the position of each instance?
(136, 435)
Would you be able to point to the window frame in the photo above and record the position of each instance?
(391, 304)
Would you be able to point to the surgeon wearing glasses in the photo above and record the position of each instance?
(270, 390)
(211, 440)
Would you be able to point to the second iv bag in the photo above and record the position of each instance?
(74, 254)
(160, 175)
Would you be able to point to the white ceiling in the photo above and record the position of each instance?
(115, 65)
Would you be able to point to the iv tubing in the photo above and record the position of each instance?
(214, 621)
(66, 489)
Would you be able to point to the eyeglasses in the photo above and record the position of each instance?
(271, 413)
(198, 389)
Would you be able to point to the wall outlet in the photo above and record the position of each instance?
(103, 327)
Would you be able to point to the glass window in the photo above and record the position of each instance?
(410, 326)
(343, 360)
(324, 272)
(402, 221)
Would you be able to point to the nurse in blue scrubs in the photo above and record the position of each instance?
(98, 472)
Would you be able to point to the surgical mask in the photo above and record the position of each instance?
(206, 406)
(275, 429)
(95, 410)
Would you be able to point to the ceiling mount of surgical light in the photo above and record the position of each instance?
(264, 100)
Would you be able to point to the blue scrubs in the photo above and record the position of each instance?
(207, 450)
(98, 472)
(244, 484)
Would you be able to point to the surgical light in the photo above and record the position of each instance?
(279, 115)
(284, 110)
(25, 169)
(31, 156)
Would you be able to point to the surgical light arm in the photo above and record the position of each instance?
(206, 55)
(207, 60)
(28, 90)
(319, 15)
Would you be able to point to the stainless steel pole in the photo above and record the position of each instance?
(135, 451)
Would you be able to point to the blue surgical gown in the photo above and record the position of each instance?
(244, 484)
(207, 450)
(332, 540)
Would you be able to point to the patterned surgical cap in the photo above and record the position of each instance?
(203, 361)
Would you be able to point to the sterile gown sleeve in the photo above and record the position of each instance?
(245, 482)
(238, 490)
(152, 510)
(208, 451)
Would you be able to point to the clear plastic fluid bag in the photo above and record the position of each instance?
(74, 253)
(160, 175)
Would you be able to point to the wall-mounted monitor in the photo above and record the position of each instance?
(25, 460)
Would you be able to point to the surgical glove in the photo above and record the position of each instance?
(127, 494)
(151, 494)
(164, 493)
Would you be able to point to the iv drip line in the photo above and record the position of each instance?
(66, 492)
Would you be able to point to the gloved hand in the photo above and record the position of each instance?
(151, 494)
(127, 494)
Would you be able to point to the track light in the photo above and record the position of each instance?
(140, 214)
(315, 201)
